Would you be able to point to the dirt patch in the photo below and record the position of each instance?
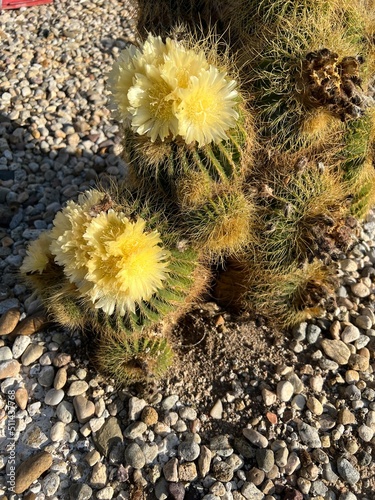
(220, 356)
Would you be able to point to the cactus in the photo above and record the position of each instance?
(107, 268)
(132, 359)
(186, 119)
(299, 206)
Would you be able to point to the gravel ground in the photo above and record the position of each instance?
(247, 413)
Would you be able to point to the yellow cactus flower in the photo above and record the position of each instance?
(165, 90)
(67, 243)
(207, 105)
(37, 255)
(125, 264)
(152, 106)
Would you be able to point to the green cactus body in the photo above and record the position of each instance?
(292, 296)
(357, 164)
(300, 204)
(132, 359)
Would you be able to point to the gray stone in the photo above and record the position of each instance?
(54, 397)
(256, 437)
(19, 345)
(313, 332)
(51, 484)
(309, 435)
(350, 334)
(189, 451)
(134, 456)
(46, 376)
(135, 430)
(220, 445)
(108, 436)
(347, 471)
(169, 402)
(251, 492)
(65, 412)
(284, 390)
(265, 459)
(161, 489)
(136, 406)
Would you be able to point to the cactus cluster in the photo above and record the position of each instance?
(248, 128)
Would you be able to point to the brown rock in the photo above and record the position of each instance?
(346, 417)
(30, 325)
(9, 321)
(31, 469)
(336, 350)
(61, 359)
(187, 472)
(204, 461)
(9, 368)
(60, 378)
(21, 397)
(149, 415)
(358, 362)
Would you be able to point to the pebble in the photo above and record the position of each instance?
(19, 346)
(50, 484)
(31, 354)
(5, 354)
(54, 397)
(31, 469)
(187, 472)
(57, 432)
(284, 390)
(21, 397)
(251, 492)
(350, 334)
(65, 411)
(9, 368)
(255, 438)
(360, 290)
(149, 416)
(98, 477)
(135, 430)
(9, 321)
(336, 350)
(204, 461)
(347, 471)
(189, 451)
(365, 433)
(136, 406)
(265, 459)
(60, 379)
(364, 322)
(108, 436)
(217, 410)
(169, 402)
(46, 376)
(77, 388)
(84, 408)
(170, 470)
(29, 325)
